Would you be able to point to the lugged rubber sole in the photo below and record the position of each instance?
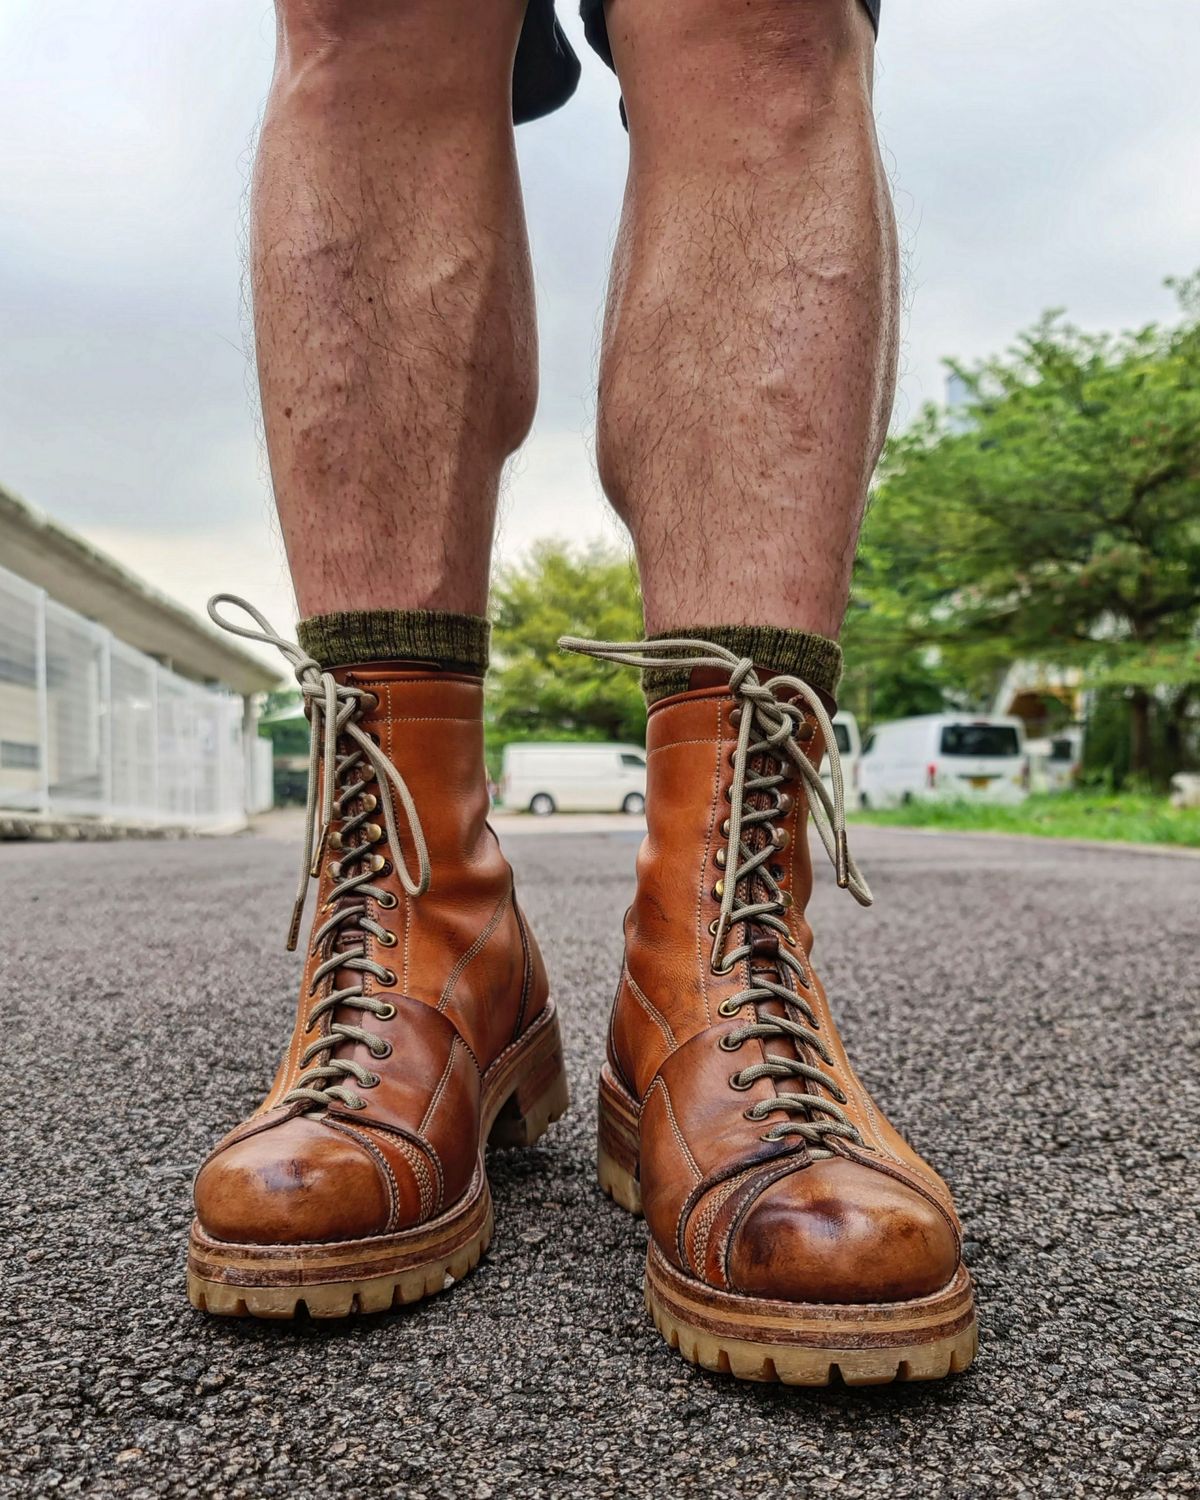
(797, 1343)
(524, 1092)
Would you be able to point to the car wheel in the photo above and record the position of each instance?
(542, 805)
(634, 803)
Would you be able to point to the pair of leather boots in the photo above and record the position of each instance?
(793, 1234)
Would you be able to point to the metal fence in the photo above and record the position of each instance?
(90, 727)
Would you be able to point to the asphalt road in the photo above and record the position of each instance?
(1026, 1012)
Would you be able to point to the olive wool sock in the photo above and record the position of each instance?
(815, 659)
(457, 643)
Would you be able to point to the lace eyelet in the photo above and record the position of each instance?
(718, 890)
(725, 829)
(369, 802)
(372, 832)
(369, 702)
(388, 901)
(720, 858)
(386, 1011)
(735, 717)
(381, 1052)
(735, 1082)
(389, 939)
(372, 1081)
(727, 1010)
(780, 838)
(722, 969)
(389, 979)
(752, 1115)
(712, 926)
(379, 865)
(725, 1044)
(784, 805)
(805, 733)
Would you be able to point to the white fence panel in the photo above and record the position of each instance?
(91, 727)
(134, 734)
(22, 699)
(78, 712)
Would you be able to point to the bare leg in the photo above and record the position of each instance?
(749, 353)
(392, 296)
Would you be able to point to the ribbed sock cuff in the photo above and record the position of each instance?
(815, 659)
(456, 642)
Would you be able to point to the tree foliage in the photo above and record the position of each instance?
(1056, 520)
(536, 691)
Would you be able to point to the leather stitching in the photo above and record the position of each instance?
(476, 948)
(651, 1010)
(381, 1163)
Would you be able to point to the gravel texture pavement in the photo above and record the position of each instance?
(1027, 1013)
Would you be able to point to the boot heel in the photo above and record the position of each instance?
(617, 1144)
(541, 1095)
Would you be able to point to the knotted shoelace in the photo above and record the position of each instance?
(771, 730)
(337, 779)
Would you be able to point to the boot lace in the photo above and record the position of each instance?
(768, 754)
(343, 761)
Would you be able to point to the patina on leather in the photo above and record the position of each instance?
(373, 1122)
(765, 1168)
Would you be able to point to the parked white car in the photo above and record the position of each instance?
(944, 757)
(548, 778)
(849, 743)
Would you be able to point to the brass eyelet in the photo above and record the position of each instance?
(722, 969)
(720, 858)
(780, 838)
(389, 979)
(369, 802)
(335, 841)
(713, 925)
(372, 832)
(735, 717)
(805, 733)
(389, 939)
(786, 900)
(388, 901)
(735, 1082)
(727, 1010)
(335, 870)
(726, 1045)
(371, 1081)
(369, 702)
(718, 890)
(384, 1051)
(785, 804)
(725, 829)
(386, 1011)
(378, 863)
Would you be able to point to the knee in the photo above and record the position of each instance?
(327, 28)
(797, 47)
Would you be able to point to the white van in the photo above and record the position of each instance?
(849, 743)
(944, 758)
(548, 778)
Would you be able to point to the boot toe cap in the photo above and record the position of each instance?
(294, 1183)
(839, 1231)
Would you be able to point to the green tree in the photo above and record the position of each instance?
(536, 691)
(1059, 522)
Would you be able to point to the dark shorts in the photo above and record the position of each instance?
(547, 69)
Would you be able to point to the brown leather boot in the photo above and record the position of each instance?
(794, 1234)
(424, 1027)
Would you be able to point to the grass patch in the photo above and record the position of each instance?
(1130, 819)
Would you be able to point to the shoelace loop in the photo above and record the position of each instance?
(334, 785)
(769, 729)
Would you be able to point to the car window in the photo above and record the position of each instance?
(869, 743)
(841, 737)
(629, 759)
(980, 739)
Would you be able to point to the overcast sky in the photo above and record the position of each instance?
(1043, 154)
